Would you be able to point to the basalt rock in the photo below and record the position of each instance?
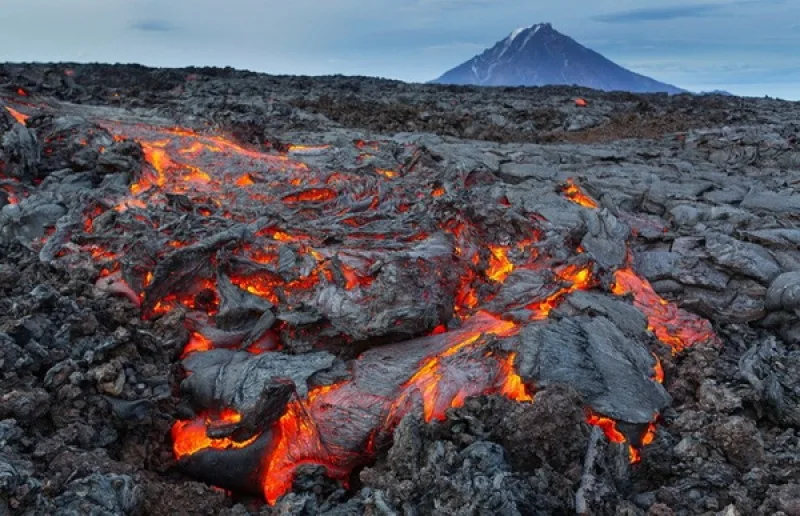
(367, 321)
(610, 371)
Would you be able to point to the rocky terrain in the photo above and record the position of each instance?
(697, 195)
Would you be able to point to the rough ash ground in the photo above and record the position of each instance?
(709, 186)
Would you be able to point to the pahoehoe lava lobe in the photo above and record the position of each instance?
(282, 297)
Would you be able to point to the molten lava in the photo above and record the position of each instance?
(284, 257)
(19, 117)
(577, 278)
(197, 342)
(314, 194)
(674, 327)
(499, 265)
(575, 194)
(190, 436)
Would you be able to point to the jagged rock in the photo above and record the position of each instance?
(712, 218)
(257, 387)
(784, 293)
(741, 442)
(768, 366)
(610, 371)
(99, 494)
(605, 239)
(742, 257)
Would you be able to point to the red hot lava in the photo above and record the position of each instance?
(214, 178)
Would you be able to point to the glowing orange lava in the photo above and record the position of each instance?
(244, 180)
(388, 174)
(609, 427)
(673, 326)
(658, 371)
(575, 194)
(298, 437)
(190, 436)
(192, 173)
(499, 265)
(313, 194)
(308, 148)
(197, 342)
(438, 395)
(579, 278)
(513, 387)
(19, 117)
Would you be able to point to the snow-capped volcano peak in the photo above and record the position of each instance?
(534, 28)
(538, 55)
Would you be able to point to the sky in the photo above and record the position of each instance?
(747, 47)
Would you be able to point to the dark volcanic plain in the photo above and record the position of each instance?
(701, 191)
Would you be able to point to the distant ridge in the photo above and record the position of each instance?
(540, 55)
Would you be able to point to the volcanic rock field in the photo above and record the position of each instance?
(224, 292)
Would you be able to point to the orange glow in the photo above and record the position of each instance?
(128, 204)
(283, 237)
(388, 174)
(195, 174)
(308, 148)
(672, 326)
(579, 278)
(466, 298)
(575, 194)
(261, 286)
(362, 144)
(190, 436)
(99, 254)
(11, 196)
(19, 117)
(299, 434)
(499, 265)
(313, 194)
(513, 387)
(609, 427)
(244, 180)
(188, 298)
(353, 279)
(650, 435)
(658, 371)
(439, 330)
(197, 342)
(581, 102)
(298, 442)
(427, 380)
(189, 173)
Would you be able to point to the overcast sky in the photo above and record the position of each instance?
(748, 47)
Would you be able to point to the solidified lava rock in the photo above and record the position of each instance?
(329, 245)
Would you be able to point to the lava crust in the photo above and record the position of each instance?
(217, 279)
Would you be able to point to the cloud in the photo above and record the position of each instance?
(153, 26)
(659, 13)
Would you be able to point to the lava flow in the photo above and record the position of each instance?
(673, 326)
(269, 257)
(19, 117)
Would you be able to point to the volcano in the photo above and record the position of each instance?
(539, 55)
(298, 317)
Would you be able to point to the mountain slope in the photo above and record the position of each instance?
(540, 55)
